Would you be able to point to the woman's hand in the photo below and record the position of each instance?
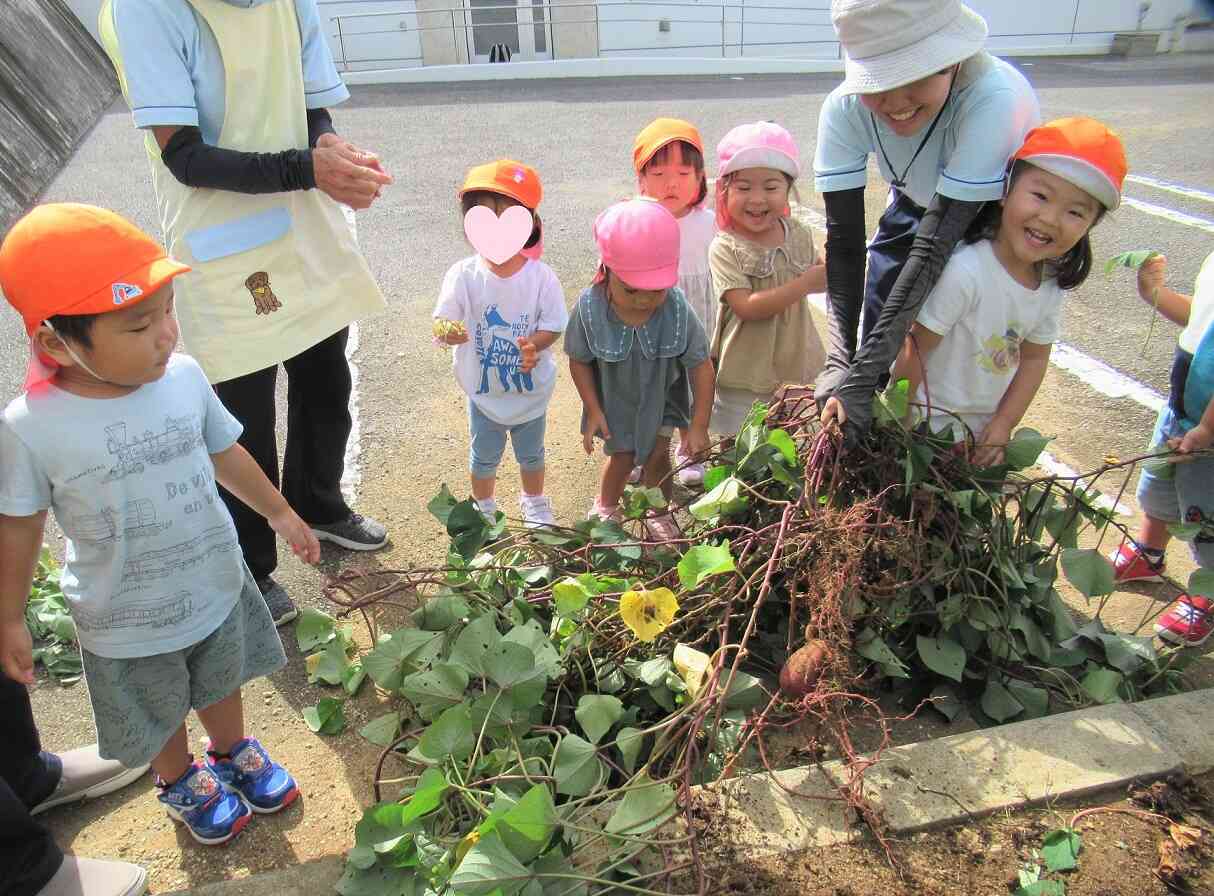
(833, 412)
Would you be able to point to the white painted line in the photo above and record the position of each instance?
(351, 476)
(1169, 186)
(1103, 378)
(1168, 214)
(1054, 467)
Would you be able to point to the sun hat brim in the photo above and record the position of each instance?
(960, 39)
(1083, 175)
(761, 157)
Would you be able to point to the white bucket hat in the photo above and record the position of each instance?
(890, 43)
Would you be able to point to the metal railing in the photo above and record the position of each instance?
(460, 21)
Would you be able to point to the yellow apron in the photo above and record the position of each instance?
(275, 273)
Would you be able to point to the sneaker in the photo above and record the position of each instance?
(488, 509)
(537, 511)
(282, 608)
(1130, 564)
(199, 800)
(662, 527)
(606, 514)
(356, 533)
(252, 775)
(1187, 621)
(690, 476)
(85, 775)
(635, 476)
(96, 877)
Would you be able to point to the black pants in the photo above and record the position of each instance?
(28, 856)
(887, 254)
(318, 427)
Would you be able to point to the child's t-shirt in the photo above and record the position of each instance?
(696, 230)
(153, 563)
(497, 311)
(984, 316)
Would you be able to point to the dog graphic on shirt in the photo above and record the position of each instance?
(498, 351)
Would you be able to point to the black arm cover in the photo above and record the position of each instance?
(846, 251)
(319, 122)
(196, 164)
(943, 225)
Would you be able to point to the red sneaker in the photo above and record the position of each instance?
(1187, 621)
(1130, 564)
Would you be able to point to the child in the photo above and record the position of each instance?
(668, 155)
(763, 268)
(511, 314)
(1185, 491)
(126, 440)
(981, 344)
(634, 346)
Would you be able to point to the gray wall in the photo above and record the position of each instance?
(54, 84)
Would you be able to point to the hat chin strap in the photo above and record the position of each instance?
(74, 356)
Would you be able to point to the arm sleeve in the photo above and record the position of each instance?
(989, 131)
(841, 153)
(323, 86)
(953, 296)
(25, 488)
(319, 123)
(943, 225)
(576, 345)
(453, 301)
(726, 272)
(846, 251)
(151, 42)
(197, 164)
(553, 316)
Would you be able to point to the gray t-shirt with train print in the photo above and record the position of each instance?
(152, 559)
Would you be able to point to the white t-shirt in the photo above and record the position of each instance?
(696, 230)
(497, 311)
(1201, 313)
(153, 564)
(985, 121)
(984, 315)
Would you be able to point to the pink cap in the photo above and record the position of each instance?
(639, 240)
(763, 144)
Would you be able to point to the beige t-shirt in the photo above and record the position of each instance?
(762, 355)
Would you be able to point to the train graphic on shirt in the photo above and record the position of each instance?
(178, 558)
(158, 613)
(180, 436)
(137, 520)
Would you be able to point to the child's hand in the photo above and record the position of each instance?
(696, 442)
(1199, 437)
(1151, 276)
(450, 332)
(814, 278)
(596, 425)
(297, 534)
(528, 351)
(17, 651)
(989, 448)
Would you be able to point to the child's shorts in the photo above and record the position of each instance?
(139, 702)
(1187, 496)
(489, 443)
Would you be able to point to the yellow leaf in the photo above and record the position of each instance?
(648, 613)
(466, 844)
(312, 660)
(692, 666)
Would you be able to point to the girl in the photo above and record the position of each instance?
(942, 117)
(668, 155)
(635, 346)
(763, 268)
(981, 344)
(503, 318)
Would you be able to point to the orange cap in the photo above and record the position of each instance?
(507, 177)
(67, 258)
(1081, 151)
(659, 133)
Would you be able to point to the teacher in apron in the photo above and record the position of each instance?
(942, 117)
(250, 181)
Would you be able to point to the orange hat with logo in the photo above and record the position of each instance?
(661, 132)
(67, 258)
(1081, 151)
(508, 178)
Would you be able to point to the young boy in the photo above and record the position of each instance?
(125, 441)
(1184, 492)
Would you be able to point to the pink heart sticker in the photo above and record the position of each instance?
(494, 238)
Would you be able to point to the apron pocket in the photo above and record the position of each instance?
(240, 235)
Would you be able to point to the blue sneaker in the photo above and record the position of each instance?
(261, 782)
(199, 801)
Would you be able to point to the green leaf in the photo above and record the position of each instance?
(647, 805)
(782, 441)
(382, 730)
(1184, 531)
(714, 476)
(435, 689)
(576, 766)
(427, 796)
(944, 700)
(1202, 582)
(891, 405)
(326, 717)
(440, 612)
(702, 561)
(999, 703)
(403, 653)
(1024, 448)
(1128, 653)
(728, 497)
(527, 826)
(629, 742)
(1036, 701)
(871, 646)
(1089, 571)
(330, 664)
(509, 663)
(1042, 888)
(474, 643)
(378, 880)
(1060, 850)
(944, 656)
(1102, 684)
(1134, 260)
(570, 596)
(489, 868)
(531, 636)
(745, 692)
(468, 528)
(314, 628)
(452, 735)
(353, 678)
(596, 713)
(441, 504)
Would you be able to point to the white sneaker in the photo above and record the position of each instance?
(635, 476)
(488, 508)
(537, 511)
(606, 514)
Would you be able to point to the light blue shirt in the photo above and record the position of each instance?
(175, 73)
(991, 109)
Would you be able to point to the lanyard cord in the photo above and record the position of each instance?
(900, 181)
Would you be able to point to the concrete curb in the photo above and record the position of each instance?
(933, 783)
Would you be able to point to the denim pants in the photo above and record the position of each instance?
(489, 443)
